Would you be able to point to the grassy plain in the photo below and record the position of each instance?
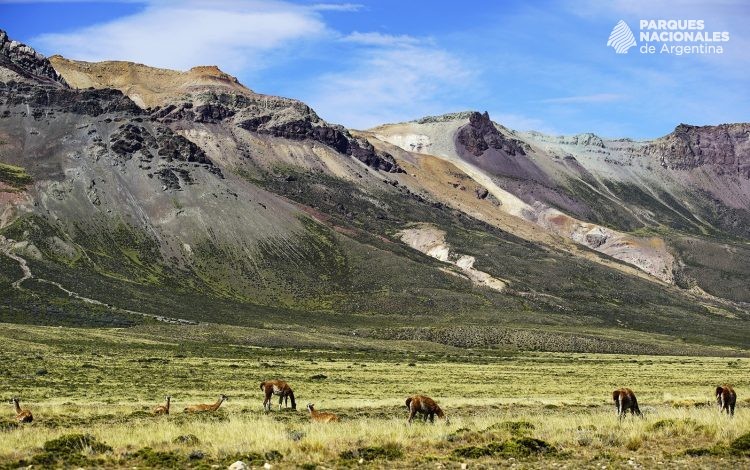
(526, 410)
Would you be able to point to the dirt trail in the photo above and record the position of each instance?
(6, 248)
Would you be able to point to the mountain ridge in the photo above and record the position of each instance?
(220, 204)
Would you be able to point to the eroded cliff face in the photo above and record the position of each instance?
(724, 149)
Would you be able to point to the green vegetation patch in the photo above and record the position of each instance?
(388, 451)
(14, 176)
(741, 445)
(520, 447)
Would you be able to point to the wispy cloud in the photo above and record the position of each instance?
(380, 39)
(235, 34)
(337, 6)
(585, 99)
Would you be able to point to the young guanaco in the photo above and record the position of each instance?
(279, 388)
(23, 415)
(163, 409)
(726, 398)
(213, 407)
(426, 406)
(625, 401)
(321, 416)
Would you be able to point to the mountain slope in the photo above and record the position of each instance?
(187, 195)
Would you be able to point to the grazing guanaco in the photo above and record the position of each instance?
(321, 416)
(199, 408)
(425, 406)
(23, 415)
(163, 409)
(625, 401)
(726, 399)
(280, 388)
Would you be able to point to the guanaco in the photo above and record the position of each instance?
(625, 401)
(280, 388)
(214, 407)
(425, 406)
(726, 399)
(163, 409)
(23, 415)
(322, 416)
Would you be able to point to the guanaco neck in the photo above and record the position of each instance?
(168, 400)
(218, 404)
(17, 406)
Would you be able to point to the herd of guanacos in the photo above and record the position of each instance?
(624, 399)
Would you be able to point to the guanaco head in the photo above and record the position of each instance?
(223, 397)
(14, 401)
(310, 407)
(262, 385)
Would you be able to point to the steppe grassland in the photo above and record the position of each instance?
(103, 382)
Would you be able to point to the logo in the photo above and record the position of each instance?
(621, 38)
(668, 36)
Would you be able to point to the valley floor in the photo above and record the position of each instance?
(520, 410)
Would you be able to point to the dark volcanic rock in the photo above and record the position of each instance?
(481, 134)
(335, 137)
(175, 147)
(27, 62)
(726, 148)
(55, 98)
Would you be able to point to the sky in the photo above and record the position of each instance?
(541, 65)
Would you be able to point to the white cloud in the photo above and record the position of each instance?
(237, 35)
(583, 99)
(337, 6)
(389, 79)
(379, 39)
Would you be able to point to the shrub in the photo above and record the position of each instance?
(71, 443)
(388, 451)
(514, 427)
(187, 439)
(157, 459)
(521, 447)
(741, 445)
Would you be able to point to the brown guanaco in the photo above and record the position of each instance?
(321, 416)
(726, 398)
(213, 407)
(163, 409)
(23, 415)
(279, 388)
(625, 401)
(426, 406)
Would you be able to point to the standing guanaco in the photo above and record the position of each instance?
(625, 401)
(726, 398)
(23, 415)
(280, 388)
(426, 406)
(214, 407)
(321, 416)
(163, 409)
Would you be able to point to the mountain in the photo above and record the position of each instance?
(131, 193)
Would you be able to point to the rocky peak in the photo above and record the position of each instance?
(480, 135)
(27, 62)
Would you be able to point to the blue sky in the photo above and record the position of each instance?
(533, 65)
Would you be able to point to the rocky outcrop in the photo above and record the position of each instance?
(27, 62)
(481, 134)
(725, 148)
(336, 137)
